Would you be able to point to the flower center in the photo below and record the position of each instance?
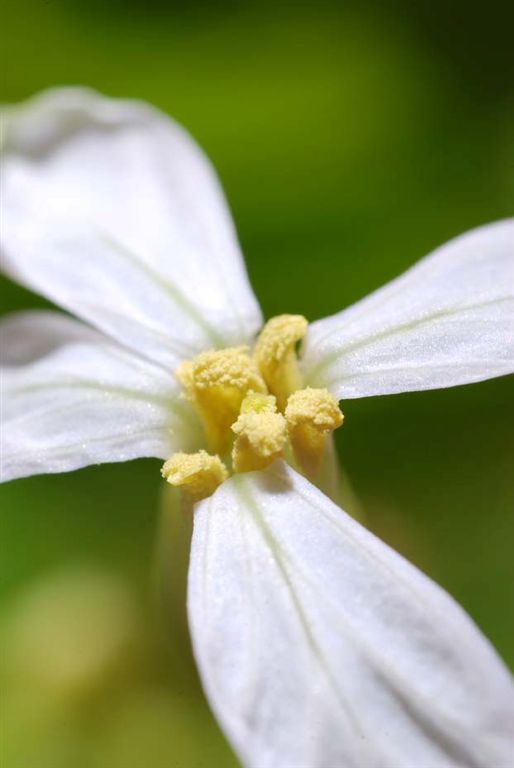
(253, 409)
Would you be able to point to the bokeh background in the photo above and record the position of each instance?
(351, 139)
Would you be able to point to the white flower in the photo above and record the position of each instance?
(318, 645)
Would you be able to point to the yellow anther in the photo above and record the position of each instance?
(197, 473)
(260, 433)
(311, 415)
(276, 357)
(232, 367)
(217, 382)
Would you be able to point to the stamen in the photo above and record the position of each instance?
(197, 473)
(311, 415)
(276, 357)
(260, 433)
(185, 374)
(217, 382)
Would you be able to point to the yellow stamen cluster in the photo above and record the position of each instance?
(217, 382)
(254, 403)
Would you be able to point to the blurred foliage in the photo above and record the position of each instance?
(351, 139)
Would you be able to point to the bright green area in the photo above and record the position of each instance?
(350, 142)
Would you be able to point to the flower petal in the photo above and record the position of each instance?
(112, 212)
(319, 646)
(28, 336)
(79, 399)
(449, 320)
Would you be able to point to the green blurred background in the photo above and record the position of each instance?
(351, 139)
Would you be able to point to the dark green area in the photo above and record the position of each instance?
(351, 139)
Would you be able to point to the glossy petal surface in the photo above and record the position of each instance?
(71, 397)
(449, 320)
(319, 646)
(112, 212)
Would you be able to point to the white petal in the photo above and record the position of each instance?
(81, 399)
(319, 646)
(28, 336)
(112, 212)
(449, 320)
